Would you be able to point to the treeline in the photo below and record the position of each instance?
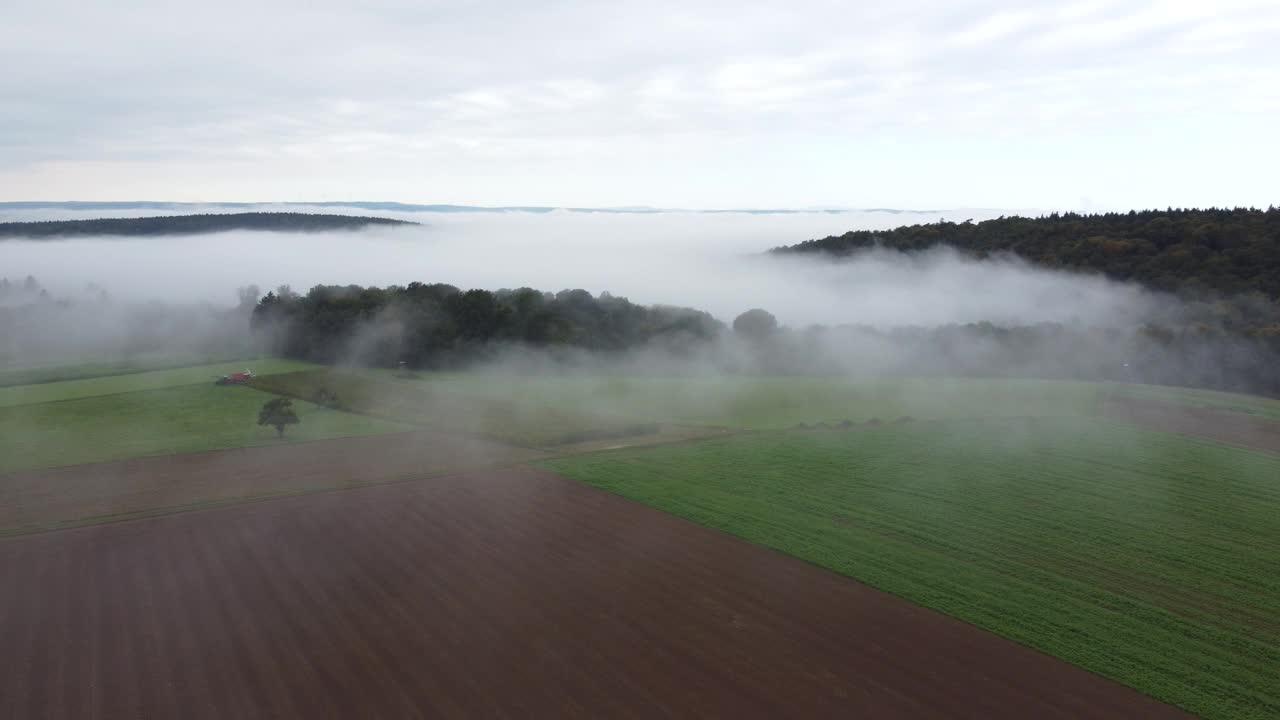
(434, 326)
(440, 326)
(193, 224)
(1226, 251)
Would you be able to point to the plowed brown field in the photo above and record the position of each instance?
(81, 494)
(1222, 425)
(514, 593)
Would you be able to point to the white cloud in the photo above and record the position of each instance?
(995, 27)
(670, 103)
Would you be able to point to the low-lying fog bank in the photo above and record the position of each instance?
(708, 261)
(883, 312)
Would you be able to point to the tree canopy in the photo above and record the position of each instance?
(278, 413)
(441, 325)
(1232, 251)
(755, 323)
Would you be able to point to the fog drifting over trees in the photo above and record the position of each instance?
(878, 311)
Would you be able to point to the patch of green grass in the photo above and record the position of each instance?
(773, 402)
(1145, 557)
(157, 422)
(529, 420)
(110, 384)
(121, 366)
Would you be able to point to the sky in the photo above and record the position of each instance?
(917, 104)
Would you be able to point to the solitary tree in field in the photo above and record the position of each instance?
(277, 413)
(755, 324)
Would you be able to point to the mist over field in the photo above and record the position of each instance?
(801, 359)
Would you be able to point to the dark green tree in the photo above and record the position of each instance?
(755, 324)
(278, 413)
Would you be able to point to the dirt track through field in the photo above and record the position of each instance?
(1222, 425)
(513, 593)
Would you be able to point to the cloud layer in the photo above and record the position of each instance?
(915, 104)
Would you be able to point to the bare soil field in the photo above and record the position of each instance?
(81, 494)
(511, 593)
(1222, 425)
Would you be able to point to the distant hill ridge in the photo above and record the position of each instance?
(193, 224)
(1233, 251)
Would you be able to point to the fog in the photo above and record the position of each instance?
(935, 312)
(709, 261)
(876, 316)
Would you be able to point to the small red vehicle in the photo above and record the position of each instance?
(235, 378)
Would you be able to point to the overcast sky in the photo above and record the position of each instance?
(910, 104)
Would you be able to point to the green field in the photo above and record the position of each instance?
(157, 422)
(548, 411)
(138, 363)
(454, 404)
(1148, 558)
(773, 402)
(529, 411)
(113, 383)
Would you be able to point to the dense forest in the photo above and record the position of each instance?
(1234, 251)
(192, 224)
(442, 326)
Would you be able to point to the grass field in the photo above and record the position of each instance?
(1148, 558)
(544, 412)
(548, 411)
(156, 422)
(113, 383)
(119, 366)
(778, 402)
(527, 419)
(773, 402)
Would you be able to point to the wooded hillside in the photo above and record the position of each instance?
(1230, 251)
